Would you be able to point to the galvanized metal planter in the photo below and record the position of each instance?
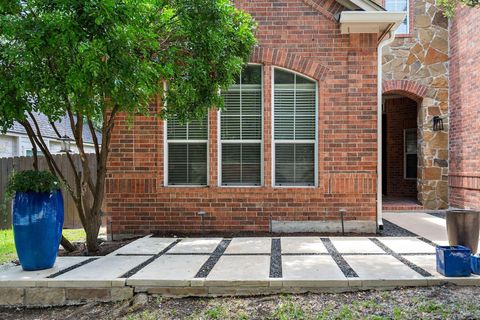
(463, 228)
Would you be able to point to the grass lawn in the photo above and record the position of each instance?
(7, 246)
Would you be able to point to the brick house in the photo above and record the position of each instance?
(296, 143)
(464, 175)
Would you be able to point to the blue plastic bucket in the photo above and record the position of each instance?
(453, 261)
(37, 226)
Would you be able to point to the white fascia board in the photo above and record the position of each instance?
(370, 21)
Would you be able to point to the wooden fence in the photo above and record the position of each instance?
(7, 165)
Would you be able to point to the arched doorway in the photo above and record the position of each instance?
(400, 152)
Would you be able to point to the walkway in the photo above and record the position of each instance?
(220, 266)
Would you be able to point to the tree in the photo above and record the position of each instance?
(449, 6)
(89, 60)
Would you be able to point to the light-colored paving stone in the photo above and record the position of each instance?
(145, 245)
(107, 268)
(381, 267)
(407, 245)
(302, 245)
(18, 277)
(310, 268)
(249, 245)
(196, 245)
(423, 224)
(169, 271)
(240, 269)
(426, 262)
(355, 245)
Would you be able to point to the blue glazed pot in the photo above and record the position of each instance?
(37, 226)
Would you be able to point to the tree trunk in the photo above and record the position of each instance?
(67, 245)
(92, 228)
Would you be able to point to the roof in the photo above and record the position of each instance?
(62, 125)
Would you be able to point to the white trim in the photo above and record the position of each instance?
(220, 142)
(283, 141)
(370, 21)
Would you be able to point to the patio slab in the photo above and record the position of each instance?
(310, 268)
(146, 245)
(355, 245)
(106, 268)
(196, 245)
(249, 245)
(295, 245)
(169, 270)
(423, 224)
(407, 245)
(381, 267)
(247, 270)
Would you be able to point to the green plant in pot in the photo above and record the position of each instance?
(37, 217)
(463, 228)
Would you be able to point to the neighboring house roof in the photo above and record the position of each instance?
(48, 132)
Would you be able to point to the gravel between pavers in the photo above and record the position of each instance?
(446, 302)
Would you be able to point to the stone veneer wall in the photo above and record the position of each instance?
(420, 61)
(464, 176)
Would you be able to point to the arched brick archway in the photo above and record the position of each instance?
(287, 60)
(407, 88)
(432, 145)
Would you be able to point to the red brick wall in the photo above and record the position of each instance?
(301, 35)
(401, 114)
(464, 177)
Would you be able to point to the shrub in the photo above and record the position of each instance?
(30, 180)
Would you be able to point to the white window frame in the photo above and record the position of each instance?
(165, 156)
(220, 142)
(405, 153)
(272, 130)
(409, 3)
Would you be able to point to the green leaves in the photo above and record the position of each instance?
(59, 55)
(449, 6)
(30, 180)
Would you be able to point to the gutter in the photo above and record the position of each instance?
(383, 43)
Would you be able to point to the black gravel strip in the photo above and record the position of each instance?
(339, 260)
(412, 266)
(213, 259)
(392, 230)
(188, 253)
(430, 242)
(75, 266)
(131, 272)
(276, 259)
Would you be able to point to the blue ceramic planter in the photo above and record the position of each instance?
(37, 226)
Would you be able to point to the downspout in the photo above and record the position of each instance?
(384, 42)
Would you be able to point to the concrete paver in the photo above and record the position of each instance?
(302, 245)
(196, 245)
(17, 273)
(355, 245)
(310, 268)
(381, 267)
(426, 262)
(249, 245)
(423, 224)
(169, 269)
(407, 245)
(105, 268)
(147, 245)
(241, 268)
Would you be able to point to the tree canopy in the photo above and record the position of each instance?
(88, 60)
(91, 55)
(449, 6)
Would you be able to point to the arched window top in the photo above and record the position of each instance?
(284, 76)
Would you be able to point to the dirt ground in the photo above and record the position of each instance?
(447, 302)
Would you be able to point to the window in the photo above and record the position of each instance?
(400, 5)
(294, 141)
(410, 159)
(187, 152)
(241, 130)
